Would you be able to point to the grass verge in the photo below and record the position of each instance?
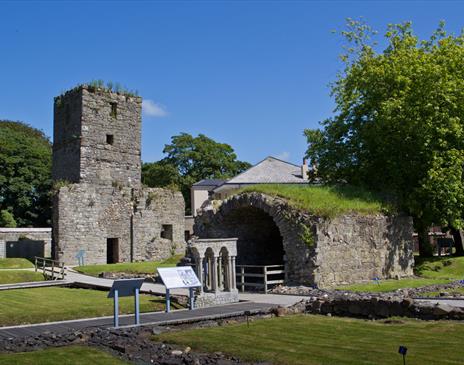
(144, 267)
(15, 263)
(325, 201)
(315, 340)
(69, 355)
(19, 276)
(22, 306)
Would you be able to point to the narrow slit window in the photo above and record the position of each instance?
(109, 139)
(114, 109)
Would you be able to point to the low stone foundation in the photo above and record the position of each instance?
(213, 299)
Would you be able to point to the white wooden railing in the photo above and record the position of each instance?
(51, 269)
(262, 273)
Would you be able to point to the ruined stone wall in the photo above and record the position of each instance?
(86, 215)
(354, 248)
(318, 251)
(157, 208)
(26, 237)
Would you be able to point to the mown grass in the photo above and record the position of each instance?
(316, 340)
(392, 285)
(69, 355)
(144, 267)
(19, 276)
(440, 267)
(15, 263)
(21, 306)
(325, 201)
(429, 271)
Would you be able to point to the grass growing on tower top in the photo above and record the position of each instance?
(325, 201)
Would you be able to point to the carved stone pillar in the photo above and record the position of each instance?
(234, 275)
(213, 276)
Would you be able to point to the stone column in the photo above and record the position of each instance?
(220, 280)
(234, 276)
(214, 284)
(200, 273)
(230, 276)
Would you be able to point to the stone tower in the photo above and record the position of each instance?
(97, 137)
(100, 210)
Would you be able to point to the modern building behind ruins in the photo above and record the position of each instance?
(100, 209)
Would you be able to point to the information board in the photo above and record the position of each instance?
(179, 277)
(125, 287)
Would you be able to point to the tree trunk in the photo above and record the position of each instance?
(457, 236)
(425, 248)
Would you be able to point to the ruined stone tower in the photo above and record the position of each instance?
(100, 209)
(97, 138)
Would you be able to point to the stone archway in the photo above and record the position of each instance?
(269, 232)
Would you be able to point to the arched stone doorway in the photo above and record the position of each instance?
(269, 232)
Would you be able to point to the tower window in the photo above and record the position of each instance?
(114, 110)
(109, 139)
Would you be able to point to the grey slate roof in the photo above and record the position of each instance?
(270, 170)
(209, 182)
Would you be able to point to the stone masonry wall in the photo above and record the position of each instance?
(354, 248)
(26, 236)
(319, 251)
(86, 215)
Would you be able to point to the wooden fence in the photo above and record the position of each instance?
(51, 269)
(261, 276)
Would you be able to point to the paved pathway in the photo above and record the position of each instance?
(275, 299)
(154, 318)
(34, 284)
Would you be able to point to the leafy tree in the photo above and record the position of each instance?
(6, 219)
(399, 123)
(25, 174)
(190, 159)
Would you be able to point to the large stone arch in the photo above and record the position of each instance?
(238, 216)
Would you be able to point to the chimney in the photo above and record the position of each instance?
(304, 170)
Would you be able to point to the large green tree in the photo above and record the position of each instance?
(190, 159)
(25, 175)
(399, 123)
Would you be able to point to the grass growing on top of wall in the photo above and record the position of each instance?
(144, 267)
(316, 340)
(325, 201)
(15, 263)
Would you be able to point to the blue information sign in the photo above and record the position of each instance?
(126, 288)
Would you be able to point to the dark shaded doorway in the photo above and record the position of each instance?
(259, 240)
(112, 250)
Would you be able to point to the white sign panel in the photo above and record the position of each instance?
(179, 277)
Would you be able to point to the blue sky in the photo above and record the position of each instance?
(251, 74)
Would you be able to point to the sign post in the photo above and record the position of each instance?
(126, 288)
(180, 277)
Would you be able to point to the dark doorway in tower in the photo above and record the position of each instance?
(259, 239)
(112, 250)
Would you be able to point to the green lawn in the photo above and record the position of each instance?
(311, 340)
(15, 263)
(440, 267)
(21, 306)
(430, 271)
(324, 201)
(144, 267)
(69, 355)
(19, 276)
